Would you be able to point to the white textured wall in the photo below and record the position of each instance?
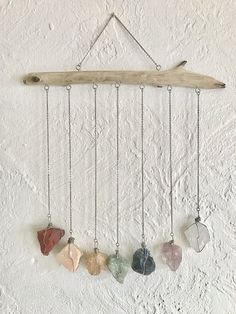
(40, 35)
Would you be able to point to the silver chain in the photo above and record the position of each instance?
(46, 88)
(95, 168)
(79, 65)
(142, 168)
(68, 88)
(117, 86)
(197, 90)
(169, 88)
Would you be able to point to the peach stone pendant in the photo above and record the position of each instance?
(95, 262)
(49, 237)
(70, 256)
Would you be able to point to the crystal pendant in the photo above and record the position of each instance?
(70, 256)
(143, 262)
(171, 255)
(95, 262)
(118, 266)
(197, 235)
(49, 237)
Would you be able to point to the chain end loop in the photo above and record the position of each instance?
(78, 67)
(197, 91)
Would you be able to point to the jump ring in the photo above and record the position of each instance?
(117, 85)
(78, 67)
(197, 90)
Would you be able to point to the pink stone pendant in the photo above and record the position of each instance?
(171, 255)
(95, 262)
(48, 238)
(70, 256)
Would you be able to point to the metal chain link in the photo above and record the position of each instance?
(117, 86)
(46, 88)
(142, 168)
(95, 168)
(197, 90)
(169, 88)
(79, 65)
(68, 88)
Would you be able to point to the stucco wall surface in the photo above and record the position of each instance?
(40, 35)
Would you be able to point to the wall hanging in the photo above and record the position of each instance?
(143, 263)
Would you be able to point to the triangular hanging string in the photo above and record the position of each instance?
(79, 65)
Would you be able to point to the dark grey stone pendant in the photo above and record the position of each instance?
(143, 262)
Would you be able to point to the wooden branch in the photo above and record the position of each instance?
(177, 76)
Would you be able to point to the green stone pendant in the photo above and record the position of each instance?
(118, 266)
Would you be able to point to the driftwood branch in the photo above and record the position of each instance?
(177, 76)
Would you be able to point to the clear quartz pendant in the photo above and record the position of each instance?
(95, 262)
(171, 255)
(118, 266)
(197, 235)
(70, 256)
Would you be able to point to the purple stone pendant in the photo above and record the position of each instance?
(171, 255)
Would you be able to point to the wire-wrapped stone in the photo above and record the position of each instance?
(197, 235)
(143, 263)
(118, 266)
(95, 262)
(171, 255)
(48, 238)
(70, 256)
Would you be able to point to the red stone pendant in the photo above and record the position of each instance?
(48, 238)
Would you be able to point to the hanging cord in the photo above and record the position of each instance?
(142, 169)
(198, 91)
(169, 88)
(117, 86)
(158, 66)
(46, 88)
(95, 168)
(79, 65)
(68, 88)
